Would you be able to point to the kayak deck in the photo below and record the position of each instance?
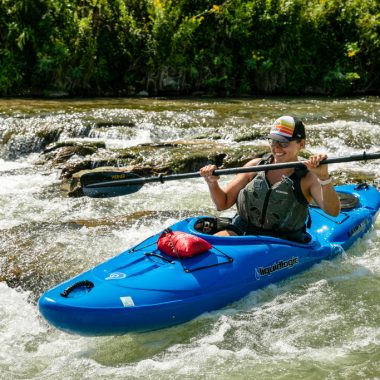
(143, 289)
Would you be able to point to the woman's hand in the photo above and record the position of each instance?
(313, 165)
(206, 173)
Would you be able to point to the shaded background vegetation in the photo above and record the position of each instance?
(235, 47)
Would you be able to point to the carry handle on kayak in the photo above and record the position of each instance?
(80, 284)
(111, 184)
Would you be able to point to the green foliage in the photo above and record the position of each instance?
(230, 47)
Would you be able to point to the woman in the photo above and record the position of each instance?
(275, 202)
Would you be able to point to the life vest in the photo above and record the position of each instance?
(280, 208)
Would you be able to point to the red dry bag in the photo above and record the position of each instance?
(181, 244)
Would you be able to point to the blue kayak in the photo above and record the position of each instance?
(143, 289)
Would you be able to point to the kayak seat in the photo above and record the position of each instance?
(212, 225)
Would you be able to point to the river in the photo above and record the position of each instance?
(321, 324)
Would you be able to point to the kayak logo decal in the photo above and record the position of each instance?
(277, 266)
(358, 228)
(116, 276)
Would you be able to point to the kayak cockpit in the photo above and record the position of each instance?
(208, 226)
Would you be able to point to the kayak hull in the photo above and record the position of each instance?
(142, 289)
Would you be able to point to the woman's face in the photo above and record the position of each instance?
(286, 152)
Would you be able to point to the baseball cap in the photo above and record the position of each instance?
(287, 128)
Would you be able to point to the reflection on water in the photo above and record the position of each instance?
(323, 323)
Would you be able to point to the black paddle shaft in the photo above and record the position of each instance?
(171, 177)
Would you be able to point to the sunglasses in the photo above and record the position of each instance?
(282, 144)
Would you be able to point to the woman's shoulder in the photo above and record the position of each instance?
(249, 176)
(253, 162)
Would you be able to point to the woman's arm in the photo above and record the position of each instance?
(320, 187)
(226, 198)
